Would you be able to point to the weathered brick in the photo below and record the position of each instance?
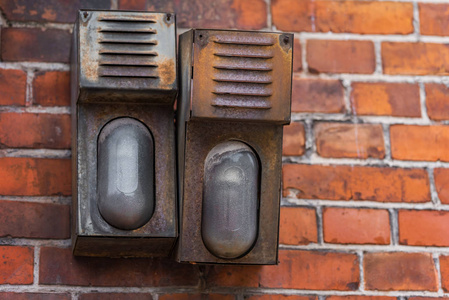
(356, 226)
(279, 297)
(293, 139)
(444, 269)
(360, 298)
(48, 10)
(343, 266)
(207, 296)
(349, 140)
(415, 58)
(317, 95)
(59, 266)
(292, 15)
(34, 296)
(381, 184)
(12, 87)
(297, 226)
(385, 99)
(17, 265)
(241, 14)
(413, 142)
(23, 130)
(35, 176)
(35, 45)
(52, 88)
(297, 56)
(437, 101)
(441, 177)
(426, 298)
(340, 56)
(423, 228)
(34, 220)
(399, 271)
(116, 296)
(133, 4)
(294, 271)
(434, 18)
(366, 17)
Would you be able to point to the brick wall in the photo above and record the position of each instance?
(365, 209)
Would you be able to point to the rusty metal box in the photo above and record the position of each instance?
(235, 93)
(123, 72)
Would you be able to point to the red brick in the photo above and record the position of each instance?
(196, 297)
(35, 45)
(292, 15)
(59, 266)
(293, 271)
(24, 130)
(340, 56)
(52, 88)
(415, 58)
(437, 101)
(356, 226)
(441, 177)
(35, 176)
(423, 228)
(12, 87)
(381, 184)
(360, 298)
(444, 267)
(349, 140)
(297, 56)
(316, 95)
(48, 10)
(434, 18)
(294, 139)
(232, 276)
(280, 297)
(398, 271)
(133, 4)
(297, 226)
(240, 14)
(412, 142)
(34, 220)
(310, 270)
(385, 99)
(366, 17)
(17, 265)
(115, 296)
(34, 296)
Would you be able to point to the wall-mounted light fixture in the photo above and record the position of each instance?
(124, 85)
(234, 99)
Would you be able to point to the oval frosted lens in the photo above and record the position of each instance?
(125, 174)
(230, 200)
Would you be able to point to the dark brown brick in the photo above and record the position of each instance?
(34, 296)
(48, 10)
(35, 44)
(59, 266)
(12, 87)
(51, 88)
(116, 296)
(34, 220)
(225, 14)
(317, 95)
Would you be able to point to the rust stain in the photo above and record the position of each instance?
(167, 72)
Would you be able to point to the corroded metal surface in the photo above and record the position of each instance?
(109, 83)
(123, 56)
(241, 91)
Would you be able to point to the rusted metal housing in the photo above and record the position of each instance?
(123, 65)
(235, 86)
